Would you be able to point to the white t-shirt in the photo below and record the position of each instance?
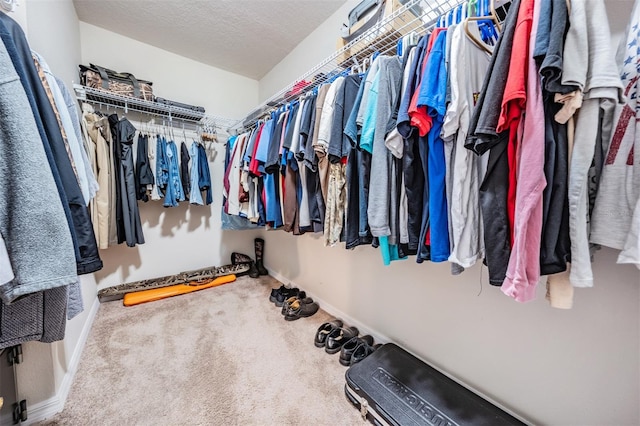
(619, 191)
(468, 67)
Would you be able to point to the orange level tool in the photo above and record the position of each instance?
(138, 297)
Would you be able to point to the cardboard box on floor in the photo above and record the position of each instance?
(402, 25)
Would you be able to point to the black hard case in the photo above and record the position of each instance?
(393, 387)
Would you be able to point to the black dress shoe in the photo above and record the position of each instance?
(324, 331)
(302, 296)
(299, 309)
(285, 294)
(339, 337)
(348, 348)
(362, 352)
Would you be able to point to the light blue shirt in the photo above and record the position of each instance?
(196, 196)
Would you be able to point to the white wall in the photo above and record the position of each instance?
(184, 237)
(314, 48)
(550, 366)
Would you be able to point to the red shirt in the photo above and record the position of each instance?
(253, 165)
(514, 100)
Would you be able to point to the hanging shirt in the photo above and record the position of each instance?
(384, 91)
(339, 145)
(204, 174)
(588, 64)
(483, 137)
(127, 213)
(523, 272)
(369, 117)
(418, 113)
(415, 76)
(555, 247)
(326, 119)
(195, 196)
(153, 157)
(433, 95)
(174, 192)
(184, 169)
(82, 166)
(272, 164)
(617, 209)
(261, 148)
(468, 65)
(514, 99)
(144, 175)
(72, 107)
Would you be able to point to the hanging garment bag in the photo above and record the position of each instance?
(392, 387)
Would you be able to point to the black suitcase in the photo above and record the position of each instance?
(392, 387)
(180, 105)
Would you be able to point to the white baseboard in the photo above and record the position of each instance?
(50, 407)
(333, 311)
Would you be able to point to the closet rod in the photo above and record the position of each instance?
(416, 16)
(168, 112)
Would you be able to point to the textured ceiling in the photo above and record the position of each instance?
(247, 37)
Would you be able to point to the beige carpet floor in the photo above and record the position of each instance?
(221, 356)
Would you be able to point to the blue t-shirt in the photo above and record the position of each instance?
(369, 118)
(265, 138)
(433, 95)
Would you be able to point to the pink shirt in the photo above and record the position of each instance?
(523, 272)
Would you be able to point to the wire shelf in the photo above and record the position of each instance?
(170, 112)
(417, 16)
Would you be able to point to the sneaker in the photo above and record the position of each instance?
(274, 293)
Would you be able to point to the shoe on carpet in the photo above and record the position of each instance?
(299, 309)
(351, 346)
(302, 296)
(362, 352)
(324, 330)
(339, 337)
(274, 293)
(283, 295)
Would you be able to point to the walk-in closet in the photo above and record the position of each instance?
(326, 212)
